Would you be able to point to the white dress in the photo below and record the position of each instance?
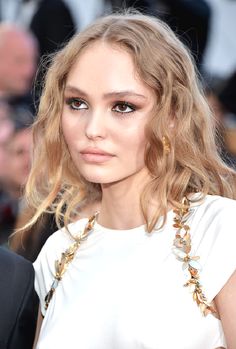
(124, 288)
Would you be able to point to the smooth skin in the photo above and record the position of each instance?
(106, 109)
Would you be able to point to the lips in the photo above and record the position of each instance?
(95, 151)
(95, 155)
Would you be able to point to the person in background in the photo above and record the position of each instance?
(190, 20)
(28, 243)
(125, 157)
(19, 154)
(6, 132)
(52, 37)
(18, 302)
(227, 100)
(16, 168)
(222, 99)
(18, 59)
(87, 11)
(36, 16)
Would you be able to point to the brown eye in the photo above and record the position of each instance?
(76, 103)
(123, 107)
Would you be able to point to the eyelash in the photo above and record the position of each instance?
(70, 102)
(126, 104)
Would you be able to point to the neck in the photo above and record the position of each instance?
(120, 205)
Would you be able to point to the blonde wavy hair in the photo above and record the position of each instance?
(163, 63)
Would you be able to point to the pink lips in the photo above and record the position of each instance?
(95, 155)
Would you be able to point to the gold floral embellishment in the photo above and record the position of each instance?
(182, 250)
(67, 256)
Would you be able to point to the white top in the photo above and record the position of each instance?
(124, 288)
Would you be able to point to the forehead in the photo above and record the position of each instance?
(105, 66)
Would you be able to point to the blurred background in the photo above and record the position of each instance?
(30, 30)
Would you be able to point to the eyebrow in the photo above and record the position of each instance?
(126, 93)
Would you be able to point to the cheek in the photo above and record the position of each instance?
(135, 145)
(68, 131)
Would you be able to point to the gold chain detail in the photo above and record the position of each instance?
(182, 249)
(67, 256)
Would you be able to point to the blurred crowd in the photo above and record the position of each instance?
(30, 30)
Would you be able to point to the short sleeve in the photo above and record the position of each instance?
(44, 265)
(44, 273)
(215, 244)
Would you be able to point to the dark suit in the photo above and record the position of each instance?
(52, 24)
(18, 302)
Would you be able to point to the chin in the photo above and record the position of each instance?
(98, 176)
(98, 180)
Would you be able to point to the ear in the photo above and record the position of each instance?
(171, 124)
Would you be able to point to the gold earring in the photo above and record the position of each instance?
(166, 145)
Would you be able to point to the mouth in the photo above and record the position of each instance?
(95, 155)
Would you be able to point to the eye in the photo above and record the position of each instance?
(123, 108)
(76, 103)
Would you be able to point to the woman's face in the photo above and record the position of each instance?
(106, 108)
(19, 157)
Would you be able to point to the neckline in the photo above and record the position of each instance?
(141, 227)
(100, 227)
(182, 249)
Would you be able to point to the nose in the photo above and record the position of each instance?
(96, 125)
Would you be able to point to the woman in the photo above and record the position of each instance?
(123, 129)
